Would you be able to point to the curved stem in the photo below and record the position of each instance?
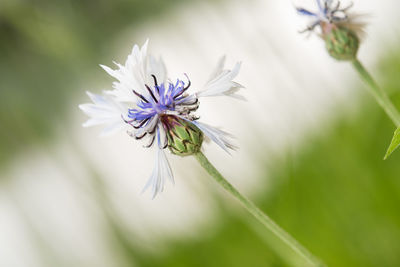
(257, 213)
(380, 95)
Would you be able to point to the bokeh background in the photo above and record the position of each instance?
(311, 138)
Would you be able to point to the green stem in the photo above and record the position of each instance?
(380, 95)
(257, 213)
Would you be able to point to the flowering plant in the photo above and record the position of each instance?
(341, 32)
(148, 105)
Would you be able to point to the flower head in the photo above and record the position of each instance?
(329, 12)
(339, 28)
(151, 107)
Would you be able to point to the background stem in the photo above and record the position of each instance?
(380, 95)
(257, 213)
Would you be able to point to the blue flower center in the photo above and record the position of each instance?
(161, 99)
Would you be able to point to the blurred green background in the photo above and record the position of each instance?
(47, 48)
(335, 194)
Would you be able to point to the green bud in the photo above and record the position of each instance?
(341, 43)
(184, 138)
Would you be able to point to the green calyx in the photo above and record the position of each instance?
(341, 43)
(184, 138)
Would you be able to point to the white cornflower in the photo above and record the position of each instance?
(158, 110)
(331, 13)
(340, 29)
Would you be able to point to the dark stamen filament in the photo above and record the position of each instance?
(151, 142)
(141, 124)
(189, 84)
(139, 95)
(126, 121)
(184, 89)
(153, 130)
(166, 145)
(140, 137)
(156, 83)
(151, 93)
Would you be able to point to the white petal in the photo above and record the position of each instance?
(111, 72)
(131, 76)
(162, 137)
(161, 172)
(218, 69)
(113, 128)
(157, 68)
(104, 110)
(220, 137)
(135, 74)
(221, 82)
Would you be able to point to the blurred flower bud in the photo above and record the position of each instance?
(341, 42)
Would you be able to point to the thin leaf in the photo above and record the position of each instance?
(395, 143)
